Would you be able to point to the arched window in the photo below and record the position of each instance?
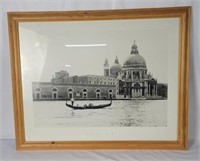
(70, 93)
(38, 93)
(54, 93)
(110, 93)
(85, 93)
(98, 93)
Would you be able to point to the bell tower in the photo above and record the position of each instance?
(106, 68)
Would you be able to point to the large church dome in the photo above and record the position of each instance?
(115, 68)
(134, 59)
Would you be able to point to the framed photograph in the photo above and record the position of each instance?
(105, 79)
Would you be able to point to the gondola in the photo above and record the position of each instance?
(90, 106)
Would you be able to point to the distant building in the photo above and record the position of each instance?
(60, 77)
(106, 68)
(126, 81)
(162, 90)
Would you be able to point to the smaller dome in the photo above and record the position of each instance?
(115, 68)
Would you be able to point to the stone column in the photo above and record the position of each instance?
(132, 92)
(140, 74)
(156, 89)
(132, 75)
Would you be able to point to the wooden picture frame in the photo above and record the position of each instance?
(15, 19)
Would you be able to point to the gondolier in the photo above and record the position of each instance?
(72, 101)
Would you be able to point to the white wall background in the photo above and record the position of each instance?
(6, 105)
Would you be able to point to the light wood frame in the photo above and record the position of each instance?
(183, 13)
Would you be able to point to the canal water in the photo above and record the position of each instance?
(136, 113)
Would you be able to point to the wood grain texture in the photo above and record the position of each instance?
(183, 13)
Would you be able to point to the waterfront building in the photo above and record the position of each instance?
(48, 90)
(63, 86)
(127, 81)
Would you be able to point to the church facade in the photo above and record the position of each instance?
(133, 79)
(128, 81)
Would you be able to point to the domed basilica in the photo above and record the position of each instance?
(133, 81)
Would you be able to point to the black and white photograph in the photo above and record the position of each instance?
(98, 74)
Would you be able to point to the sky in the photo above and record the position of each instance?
(43, 50)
